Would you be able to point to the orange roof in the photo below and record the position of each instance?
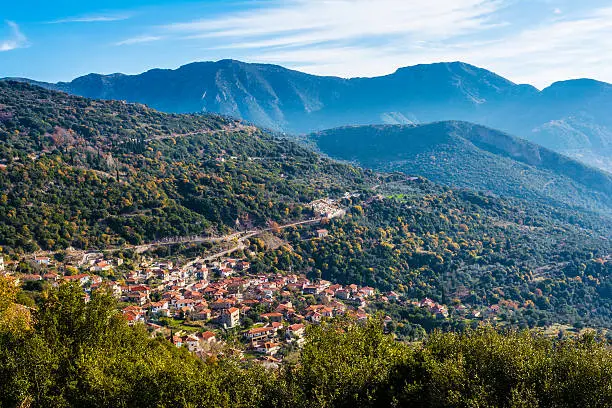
(208, 335)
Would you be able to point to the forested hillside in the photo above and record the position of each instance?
(463, 248)
(91, 174)
(83, 173)
(466, 155)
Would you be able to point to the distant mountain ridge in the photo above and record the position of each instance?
(466, 155)
(570, 117)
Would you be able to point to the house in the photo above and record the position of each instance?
(42, 260)
(314, 317)
(137, 297)
(82, 278)
(392, 296)
(311, 290)
(159, 307)
(427, 303)
(177, 341)
(192, 342)
(101, 266)
(440, 311)
(230, 318)
(368, 291)
(208, 337)
(140, 288)
(133, 314)
(162, 274)
(31, 277)
(267, 348)
(259, 333)
(327, 312)
(295, 331)
(273, 317)
(322, 233)
(221, 304)
(343, 294)
(180, 303)
(51, 276)
(201, 314)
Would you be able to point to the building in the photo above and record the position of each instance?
(208, 337)
(267, 348)
(322, 233)
(1, 264)
(100, 266)
(259, 333)
(230, 318)
(42, 260)
(82, 278)
(295, 330)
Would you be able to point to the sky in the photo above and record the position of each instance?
(527, 41)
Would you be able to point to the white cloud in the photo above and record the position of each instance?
(557, 11)
(139, 40)
(91, 19)
(312, 21)
(562, 49)
(341, 37)
(17, 39)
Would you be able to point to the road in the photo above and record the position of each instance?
(246, 235)
(239, 237)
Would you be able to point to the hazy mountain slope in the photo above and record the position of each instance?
(473, 156)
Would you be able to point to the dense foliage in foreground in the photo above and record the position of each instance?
(72, 353)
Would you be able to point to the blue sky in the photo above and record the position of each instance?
(527, 41)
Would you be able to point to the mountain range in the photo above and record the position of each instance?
(570, 117)
(471, 156)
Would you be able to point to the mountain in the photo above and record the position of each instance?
(465, 155)
(569, 117)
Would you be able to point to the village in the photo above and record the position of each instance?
(220, 306)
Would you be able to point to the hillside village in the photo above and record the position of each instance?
(221, 306)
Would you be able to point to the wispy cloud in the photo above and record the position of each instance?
(91, 19)
(345, 37)
(16, 40)
(140, 40)
(563, 48)
(312, 21)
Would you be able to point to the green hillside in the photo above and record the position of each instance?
(91, 174)
(83, 173)
(465, 155)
